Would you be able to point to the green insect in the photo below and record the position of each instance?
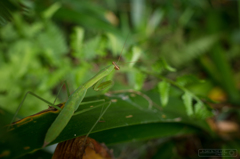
(73, 102)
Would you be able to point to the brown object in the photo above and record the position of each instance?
(226, 129)
(78, 148)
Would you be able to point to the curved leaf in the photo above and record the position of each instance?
(164, 91)
(187, 99)
(127, 119)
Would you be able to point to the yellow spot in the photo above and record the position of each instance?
(163, 116)
(125, 97)
(111, 17)
(114, 100)
(129, 116)
(26, 148)
(34, 121)
(133, 95)
(91, 106)
(108, 94)
(177, 119)
(5, 153)
(217, 94)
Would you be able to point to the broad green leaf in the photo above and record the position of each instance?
(187, 100)
(127, 119)
(141, 132)
(163, 88)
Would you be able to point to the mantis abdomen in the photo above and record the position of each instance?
(64, 116)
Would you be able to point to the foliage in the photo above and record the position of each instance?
(177, 54)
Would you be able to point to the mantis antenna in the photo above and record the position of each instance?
(116, 67)
(122, 48)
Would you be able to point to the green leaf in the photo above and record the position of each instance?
(127, 119)
(89, 49)
(186, 16)
(48, 13)
(77, 40)
(167, 66)
(187, 100)
(52, 43)
(115, 43)
(166, 150)
(163, 88)
(201, 111)
(137, 51)
(232, 147)
(139, 80)
(188, 79)
(38, 154)
(6, 9)
(138, 10)
(154, 21)
(85, 13)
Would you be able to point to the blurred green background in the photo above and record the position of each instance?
(191, 45)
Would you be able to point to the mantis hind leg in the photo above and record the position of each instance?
(101, 115)
(20, 105)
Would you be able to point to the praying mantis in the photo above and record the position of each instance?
(74, 100)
